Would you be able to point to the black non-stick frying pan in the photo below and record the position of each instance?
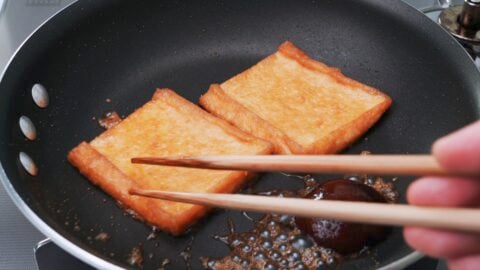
(123, 50)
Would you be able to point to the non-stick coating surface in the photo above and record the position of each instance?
(123, 50)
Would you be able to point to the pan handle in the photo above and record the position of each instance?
(38, 247)
(50, 256)
(40, 244)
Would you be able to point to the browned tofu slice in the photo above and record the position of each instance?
(166, 125)
(299, 104)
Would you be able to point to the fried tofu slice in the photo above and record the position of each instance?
(168, 125)
(299, 104)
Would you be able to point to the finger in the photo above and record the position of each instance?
(465, 263)
(460, 150)
(440, 243)
(438, 191)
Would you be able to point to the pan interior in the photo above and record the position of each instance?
(122, 51)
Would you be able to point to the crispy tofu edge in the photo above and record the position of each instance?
(289, 50)
(217, 102)
(103, 173)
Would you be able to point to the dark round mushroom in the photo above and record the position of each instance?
(343, 237)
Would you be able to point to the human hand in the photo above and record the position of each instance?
(460, 151)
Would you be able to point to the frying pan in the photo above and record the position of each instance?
(122, 50)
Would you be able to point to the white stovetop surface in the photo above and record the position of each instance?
(18, 18)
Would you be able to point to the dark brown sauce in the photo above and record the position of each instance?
(276, 241)
(344, 237)
(109, 120)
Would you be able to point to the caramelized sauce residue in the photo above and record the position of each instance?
(103, 237)
(276, 242)
(136, 256)
(109, 120)
(153, 234)
(164, 263)
(186, 254)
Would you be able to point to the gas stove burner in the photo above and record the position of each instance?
(2, 5)
(463, 21)
(437, 6)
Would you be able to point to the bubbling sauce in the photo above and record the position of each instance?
(274, 243)
(284, 242)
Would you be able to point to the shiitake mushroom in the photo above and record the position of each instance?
(343, 237)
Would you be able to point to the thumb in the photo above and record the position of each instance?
(460, 150)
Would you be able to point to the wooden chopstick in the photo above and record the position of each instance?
(362, 164)
(463, 219)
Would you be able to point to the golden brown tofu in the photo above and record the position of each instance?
(300, 105)
(166, 125)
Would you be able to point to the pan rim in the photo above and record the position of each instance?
(49, 232)
(94, 260)
(28, 213)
